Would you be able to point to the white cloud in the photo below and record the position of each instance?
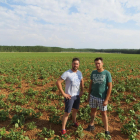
(23, 25)
(132, 3)
(102, 9)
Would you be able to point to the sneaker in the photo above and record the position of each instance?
(76, 125)
(107, 134)
(90, 128)
(63, 132)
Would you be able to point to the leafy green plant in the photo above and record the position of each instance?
(130, 96)
(56, 138)
(100, 136)
(120, 110)
(99, 121)
(3, 115)
(136, 106)
(130, 128)
(18, 120)
(3, 105)
(110, 107)
(2, 132)
(16, 135)
(80, 132)
(132, 112)
(31, 92)
(55, 119)
(122, 117)
(2, 96)
(84, 113)
(31, 125)
(46, 132)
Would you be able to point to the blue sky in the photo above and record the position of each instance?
(71, 24)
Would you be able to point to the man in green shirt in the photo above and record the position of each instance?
(99, 92)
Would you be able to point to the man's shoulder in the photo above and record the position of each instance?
(106, 71)
(79, 71)
(68, 71)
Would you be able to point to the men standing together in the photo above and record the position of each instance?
(99, 92)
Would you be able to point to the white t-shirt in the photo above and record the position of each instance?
(72, 81)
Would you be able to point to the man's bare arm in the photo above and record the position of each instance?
(82, 87)
(59, 85)
(108, 93)
(90, 85)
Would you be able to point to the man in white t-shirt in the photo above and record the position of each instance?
(73, 81)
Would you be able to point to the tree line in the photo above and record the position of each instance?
(58, 49)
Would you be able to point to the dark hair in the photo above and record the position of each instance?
(98, 58)
(75, 59)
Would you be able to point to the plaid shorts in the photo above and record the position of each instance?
(95, 102)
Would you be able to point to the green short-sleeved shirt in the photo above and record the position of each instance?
(99, 84)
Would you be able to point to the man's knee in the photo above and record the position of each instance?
(75, 110)
(66, 114)
(93, 111)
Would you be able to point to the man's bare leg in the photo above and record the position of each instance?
(93, 114)
(74, 113)
(91, 126)
(64, 121)
(105, 119)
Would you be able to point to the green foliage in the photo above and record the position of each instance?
(80, 132)
(16, 135)
(65, 136)
(55, 119)
(2, 96)
(3, 115)
(99, 121)
(3, 105)
(22, 115)
(58, 49)
(31, 92)
(136, 106)
(18, 120)
(132, 112)
(122, 117)
(46, 132)
(56, 138)
(130, 128)
(100, 136)
(84, 113)
(2, 132)
(120, 110)
(110, 107)
(31, 125)
(17, 97)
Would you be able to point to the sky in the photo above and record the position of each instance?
(98, 24)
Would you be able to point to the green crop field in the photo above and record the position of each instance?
(31, 106)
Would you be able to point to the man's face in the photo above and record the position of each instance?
(75, 65)
(99, 64)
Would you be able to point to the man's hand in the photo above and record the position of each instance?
(67, 96)
(81, 93)
(105, 103)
